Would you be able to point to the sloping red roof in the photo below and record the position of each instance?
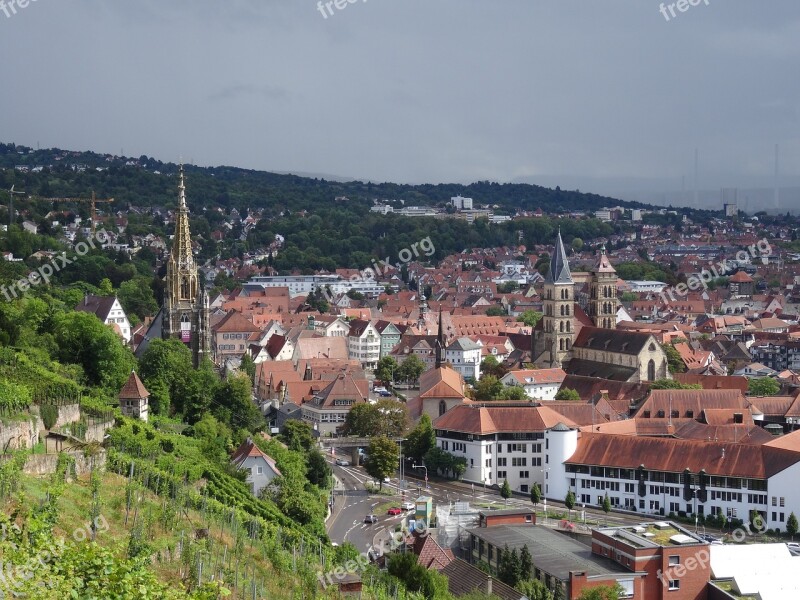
(235, 321)
(674, 456)
(740, 277)
(248, 449)
(133, 389)
(713, 382)
(441, 383)
(483, 419)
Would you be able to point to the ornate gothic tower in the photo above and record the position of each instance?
(559, 302)
(603, 301)
(185, 313)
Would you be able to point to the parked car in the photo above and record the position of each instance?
(794, 548)
(385, 394)
(379, 390)
(342, 462)
(371, 519)
(408, 506)
(394, 511)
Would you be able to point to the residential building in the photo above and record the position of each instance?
(109, 311)
(521, 444)
(231, 336)
(260, 467)
(390, 336)
(464, 355)
(364, 343)
(328, 409)
(539, 384)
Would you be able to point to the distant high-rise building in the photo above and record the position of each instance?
(730, 201)
(461, 203)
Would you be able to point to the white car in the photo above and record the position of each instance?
(342, 462)
(408, 506)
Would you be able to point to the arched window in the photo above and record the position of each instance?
(569, 344)
(562, 310)
(442, 407)
(561, 326)
(569, 325)
(184, 287)
(561, 344)
(651, 370)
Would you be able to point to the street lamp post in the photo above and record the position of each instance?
(426, 473)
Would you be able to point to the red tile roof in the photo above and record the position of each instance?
(133, 389)
(483, 419)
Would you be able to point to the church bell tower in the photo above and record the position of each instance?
(185, 302)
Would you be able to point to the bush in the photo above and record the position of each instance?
(49, 414)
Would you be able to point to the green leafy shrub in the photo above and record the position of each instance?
(49, 414)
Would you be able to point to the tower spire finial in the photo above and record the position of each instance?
(181, 189)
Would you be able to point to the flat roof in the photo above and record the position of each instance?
(551, 551)
(653, 534)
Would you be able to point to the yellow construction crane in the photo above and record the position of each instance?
(93, 200)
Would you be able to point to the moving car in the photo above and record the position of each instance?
(342, 462)
(408, 505)
(394, 511)
(371, 519)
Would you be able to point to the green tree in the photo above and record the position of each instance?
(671, 384)
(529, 318)
(602, 592)
(233, 404)
(488, 388)
(491, 366)
(534, 589)
(385, 417)
(495, 311)
(525, 563)
(505, 490)
(411, 369)
(606, 504)
(568, 394)
(421, 439)
(383, 459)
(137, 298)
(577, 244)
(319, 471)
(513, 392)
(792, 525)
(83, 339)
(674, 361)
(628, 297)
(569, 502)
(106, 287)
(215, 437)
(386, 369)
(248, 367)
(763, 386)
(509, 570)
(166, 371)
(536, 494)
(297, 435)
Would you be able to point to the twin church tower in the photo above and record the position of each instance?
(556, 331)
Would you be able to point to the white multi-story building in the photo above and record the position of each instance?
(464, 356)
(539, 384)
(461, 203)
(364, 343)
(302, 285)
(655, 475)
(109, 311)
(523, 444)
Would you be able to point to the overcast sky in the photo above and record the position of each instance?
(415, 90)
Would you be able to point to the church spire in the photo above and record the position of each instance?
(559, 266)
(439, 342)
(182, 242)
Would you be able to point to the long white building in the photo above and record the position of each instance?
(302, 285)
(648, 475)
